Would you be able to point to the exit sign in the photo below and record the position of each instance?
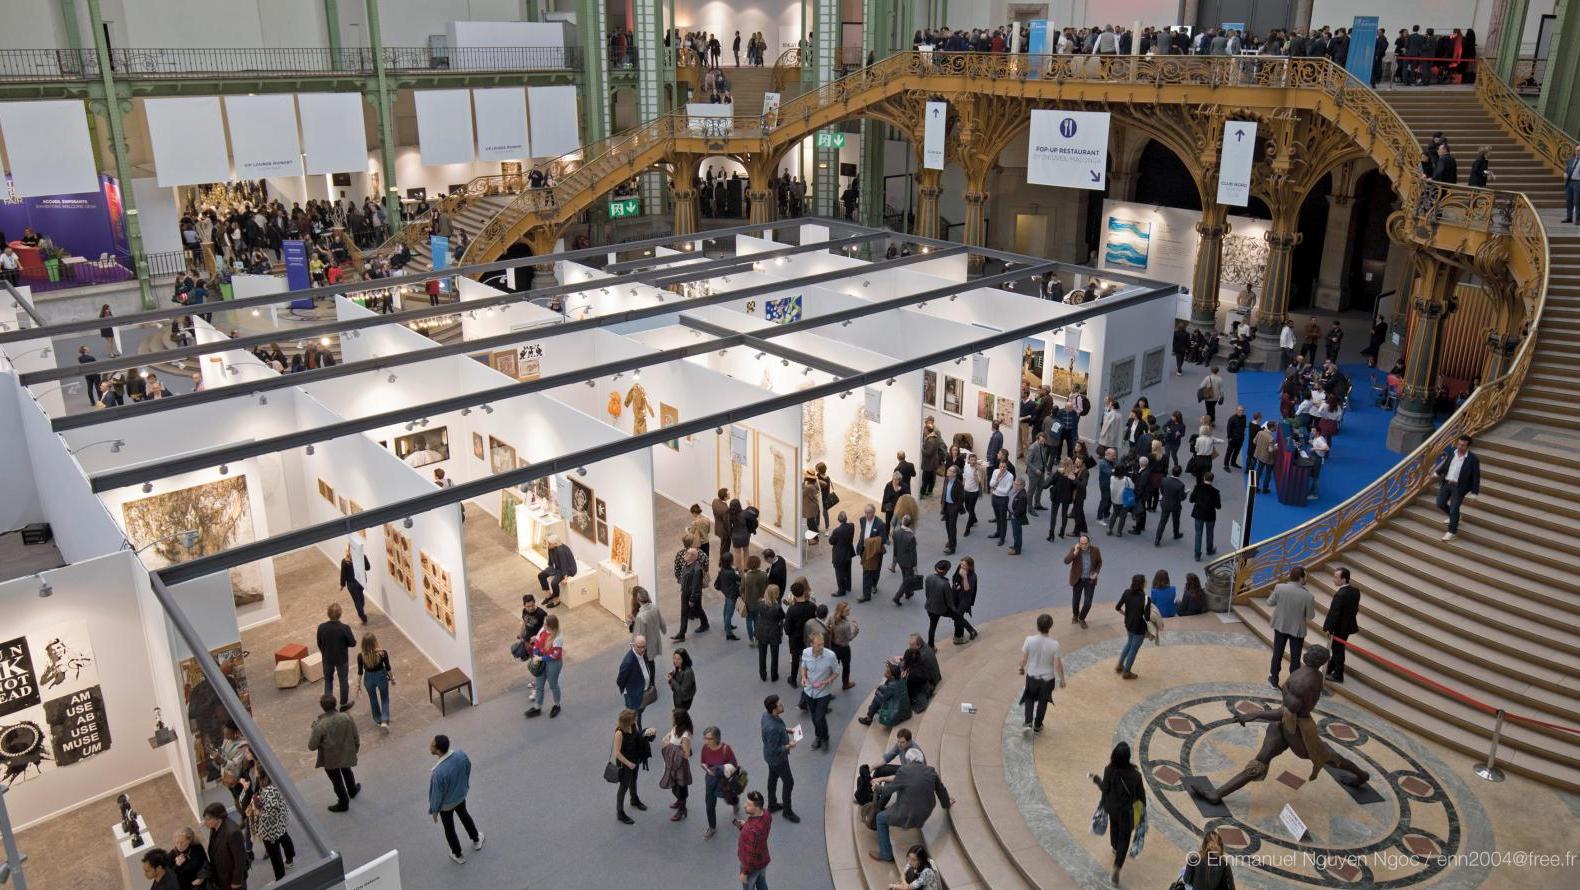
(828, 139)
(625, 207)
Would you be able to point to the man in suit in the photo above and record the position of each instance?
(953, 501)
(636, 675)
(935, 598)
(693, 576)
(872, 550)
(1459, 475)
(1341, 620)
(1236, 433)
(904, 541)
(905, 469)
(1292, 607)
(1415, 49)
(1572, 187)
(778, 572)
(1085, 562)
(227, 853)
(995, 445)
(1445, 169)
(906, 801)
(1379, 51)
(1171, 500)
(335, 642)
(842, 547)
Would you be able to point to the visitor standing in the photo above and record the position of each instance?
(1017, 514)
(842, 629)
(719, 767)
(1572, 187)
(776, 753)
(842, 549)
(1134, 604)
(627, 755)
(335, 642)
(797, 614)
(952, 499)
(228, 860)
(936, 594)
(999, 486)
(1085, 561)
(448, 783)
(682, 680)
(636, 676)
(270, 820)
(770, 631)
(1235, 431)
(1043, 669)
(819, 670)
(1292, 607)
(548, 646)
(728, 583)
(373, 669)
(1124, 798)
(963, 598)
(753, 585)
(334, 736)
(1341, 621)
(1205, 502)
(1171, 502)
(691, 576)
(676, 752)
(751, 849)
(904, 558)
(353, 580)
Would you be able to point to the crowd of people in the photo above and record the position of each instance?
(703, 47)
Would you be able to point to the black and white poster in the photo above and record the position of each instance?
(52, 710)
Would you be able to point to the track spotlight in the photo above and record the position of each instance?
(311, 450)
(45, 589)
(866, 283)
(487, 409)
(224, 469)
(581, 471)
(785, 362)
(148, 487)
(406, 523)
(262, 399)
(845, 394)
(718, 431)
(465, 412)
(391, 378)
(891, 382)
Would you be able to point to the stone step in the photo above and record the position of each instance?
(1497, 562)
(1563, 420)
(1513, 495)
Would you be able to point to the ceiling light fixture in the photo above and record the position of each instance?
(224, 469)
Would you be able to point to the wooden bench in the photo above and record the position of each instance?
(449, 681)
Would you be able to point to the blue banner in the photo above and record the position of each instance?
(1037, 45)
(297, 277)
(439, 247)
(1363, 48)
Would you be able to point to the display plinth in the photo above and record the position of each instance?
(581, 589)
(132, 857)
(614, 589)
(533, 528)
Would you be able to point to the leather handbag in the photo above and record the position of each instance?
(649, 696)
(611, 772)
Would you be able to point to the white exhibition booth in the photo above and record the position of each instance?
(1160, 243)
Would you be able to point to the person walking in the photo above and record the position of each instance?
(720, 505)
(1572, 187)
(952, 499)
(676, 752)
(1180, 346)
(1235, 431)
(751, 848)
(1017, 515)
(1264, 449)
(648, 622)
(1135, 605)
(270, 818)
(776, 753)
(448, 783)
(1210, 393)
(842, 629)
(692, 575)
(963, 598)
(819, 670)
(682, 680)
(1086, 562)
(753, 585)
(936, 594)
(335, 642)
(1459, 476)
(719, 767)
(1286, 345)
(904, 558)
(873, 534)
(1293, 607)
(1171, 501)
(373, 670)
(548, 646)
(353, 580)
(770, 631)
(800, 611)
(1124, 798)
(627, 754)
(934, 454)
(971, 480)
(635, 677)
(1123, 500)
(334, 737)
(1043, 669)
(1039, 469)
(1205, 502)
(228, 859)
(728, 583)
(1341, 621)
(842, 549)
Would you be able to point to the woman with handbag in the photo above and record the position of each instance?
(719, 770)
(677, 759)
(811, 503)
(770, 631)
(1123, 804)
(826, 495)
(682, 680)
(965, 597)
(270, 819)
(626, 756)
(548, 659)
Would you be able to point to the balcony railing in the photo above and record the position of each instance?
(175, 63)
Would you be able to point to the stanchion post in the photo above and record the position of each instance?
(1489, 770)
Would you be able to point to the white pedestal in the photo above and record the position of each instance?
(132, 857)
(614, 589)
(580, 589)
(533, 528)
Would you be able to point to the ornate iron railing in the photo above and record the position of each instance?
(158, 63)
(1539, 134)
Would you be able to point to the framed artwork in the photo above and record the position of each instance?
(601, 511)
(220, 512)
(620, 548)
(342, 506)
(477, 445)
(985, 405)
(437, 592)
(1004, 411)
(326, 491)
(930, 388)
(954, 396)
(501, 456)
(1070, 369)
(52, 710)
(397, 559)
(580, 516)
(669, 415)
(733, 464)
(1122, 377)
(1151, 367)
(205, 714)
(777, 481)
(504, 361)
(355, 509)
(529, 369)
(424, 447)
(603, 534)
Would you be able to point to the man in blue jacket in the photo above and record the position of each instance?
(1459, 474)
(447, 787)
(776, 753)
(636, 675)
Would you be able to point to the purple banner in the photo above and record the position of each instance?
(82, 224)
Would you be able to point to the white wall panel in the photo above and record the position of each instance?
(501, 123)
(553, 113)
(444, 126)
(188, 140)
(48, 148)
(263, 135)
(333, 136)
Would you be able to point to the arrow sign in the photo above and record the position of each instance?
(1238, 135)
(1096, 176)
(1234, 165)
(933, 135)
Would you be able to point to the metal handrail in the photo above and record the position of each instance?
(193, 62)
(1540, 135)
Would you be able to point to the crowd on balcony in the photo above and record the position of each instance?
(704, 49)
(238, 232)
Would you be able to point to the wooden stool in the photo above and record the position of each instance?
(290, 652)
(448, 681)
(313, 667)
(287, 674)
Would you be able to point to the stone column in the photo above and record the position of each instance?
(1434, 284)
(1505, 28)
(976, 219)
(927, 192)
(1560, 98)
(1333, 274)
(1273, 305)
(1209, 267)
(1500, 354)
(761, 207)
(685, 209)
(1122, 184)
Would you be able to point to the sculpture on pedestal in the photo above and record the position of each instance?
(129, 821)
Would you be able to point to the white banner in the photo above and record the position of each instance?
(47, 143)
(382, 873)
(933, 136)
(333, 135)
(1068, 148)
(444, 126)
(553, 114)
(263, 135)
(189, 140)
(501, 123)
(770, 110)
(1234, 163)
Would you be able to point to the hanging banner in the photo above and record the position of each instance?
(1068, 149)
(770, 110)
(979, 369)
(263, 135)
(1363, 48)
(1037, 45)
(873, 407)
(188, 138)
(937, 119)
(47, 144)
(444, 126)
(333, 136)
(1234, 163)
(552, 111)
(296, 275)
(501, 123)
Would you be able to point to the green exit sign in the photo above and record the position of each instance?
(625, 207)
(828, 139)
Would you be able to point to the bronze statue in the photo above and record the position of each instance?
(1292, 729)
(129, 821)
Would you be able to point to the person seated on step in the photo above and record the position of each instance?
(891, 701)
(922, 676)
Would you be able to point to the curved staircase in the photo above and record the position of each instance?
(1493, 616)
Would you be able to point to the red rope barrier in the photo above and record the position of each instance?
(1452, 693)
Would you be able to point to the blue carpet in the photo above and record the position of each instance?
(1359, 452)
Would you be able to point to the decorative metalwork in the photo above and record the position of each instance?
(1539, 134)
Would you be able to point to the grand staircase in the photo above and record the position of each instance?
(470, 218)
(1494, 615)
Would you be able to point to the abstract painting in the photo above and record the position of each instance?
(581, 513)
(620, 548)
(219, 512)
(984, 405)
(1127, 243)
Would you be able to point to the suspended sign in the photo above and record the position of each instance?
(1068, 149)
(933, 136)
(830, 139)
(625, 207)
(1234, 163)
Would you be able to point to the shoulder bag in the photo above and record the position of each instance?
(611, 772)
(649, 696)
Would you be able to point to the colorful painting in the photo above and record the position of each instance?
(669, 415)
(1127, 243)
(205, 715)
(620, 548)
(782, 311)
(477, 446)
(580, 516)
(215, 516)
(1004, 411)
(984, 405)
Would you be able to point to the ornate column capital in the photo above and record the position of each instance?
(1282, 240)
(975, 199)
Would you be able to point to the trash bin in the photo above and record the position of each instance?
(1220, 587)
